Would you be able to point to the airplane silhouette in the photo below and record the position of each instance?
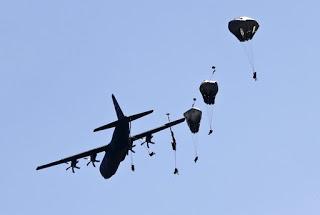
(121, 143)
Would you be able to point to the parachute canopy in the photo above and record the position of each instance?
(243, 28)
(209, 90)
(193, 118)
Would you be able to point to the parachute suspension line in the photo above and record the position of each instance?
(195, 146)
(176, 172)
(130, 148)
(249, 53)
(129, 131)
(131, 162)
(174, 148)
(210, 118)
(254, 73)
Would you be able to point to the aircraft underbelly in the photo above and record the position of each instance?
(111, 162)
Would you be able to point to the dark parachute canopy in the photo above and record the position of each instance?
(243, 28)
(193, 118)
(209, 90)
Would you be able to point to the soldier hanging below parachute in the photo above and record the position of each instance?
(193, 118)
(244, 28)
(174, 148)
(209, 90)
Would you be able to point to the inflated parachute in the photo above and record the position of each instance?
(193, 119)
(244, 28)
(209, 90)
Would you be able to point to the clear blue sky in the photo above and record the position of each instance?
(60, 61)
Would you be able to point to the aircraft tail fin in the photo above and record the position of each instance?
(121, 116)
(119, 112)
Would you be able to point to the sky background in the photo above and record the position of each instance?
(60, 61)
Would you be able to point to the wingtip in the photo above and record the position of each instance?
(181, 119)
(97, 129)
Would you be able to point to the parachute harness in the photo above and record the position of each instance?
(174, 148)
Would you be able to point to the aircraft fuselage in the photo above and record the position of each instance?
(118, 149)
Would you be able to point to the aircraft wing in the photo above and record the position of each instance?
(75, 157)
(155, 130)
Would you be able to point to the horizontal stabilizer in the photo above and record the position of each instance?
(110, 125)
(129, 118)
(139, 115)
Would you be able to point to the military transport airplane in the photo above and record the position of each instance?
(121, 143)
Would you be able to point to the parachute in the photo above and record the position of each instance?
(209, 90)
(244, 28)
(193, 118)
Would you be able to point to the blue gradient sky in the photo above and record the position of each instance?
(60, 61)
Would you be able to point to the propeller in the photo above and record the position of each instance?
(130, 148)
(176, 172)
(73, 165)
(151, 154)
(93, 160)
(196, 159)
